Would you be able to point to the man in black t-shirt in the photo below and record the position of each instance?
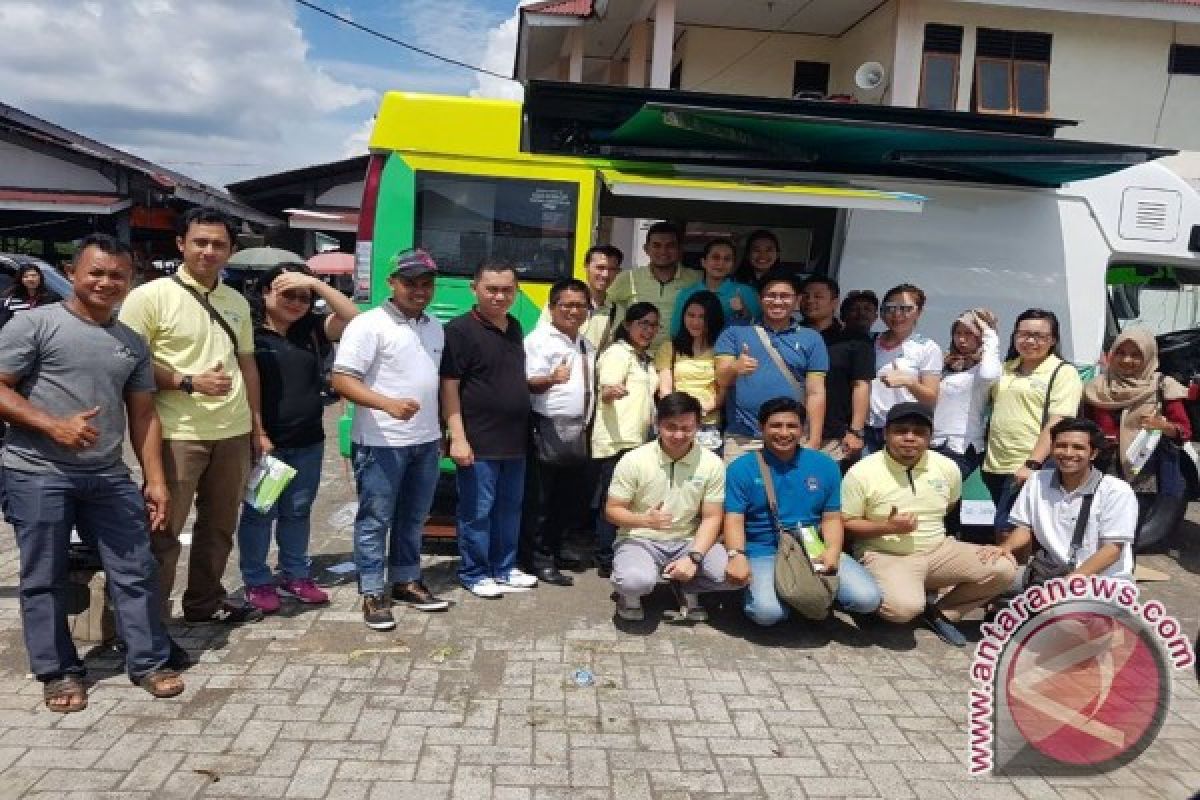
(485, 402)
(851, 368)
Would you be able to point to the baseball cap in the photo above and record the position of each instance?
(909, 411)
(413, 263)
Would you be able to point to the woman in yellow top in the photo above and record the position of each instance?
(1036, 390)
(687, 363)
(626, 380)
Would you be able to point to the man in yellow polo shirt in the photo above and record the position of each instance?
(202, 343)
(659, 282)
(894, 504)
(667, 501)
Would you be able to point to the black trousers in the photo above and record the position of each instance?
(557, 499)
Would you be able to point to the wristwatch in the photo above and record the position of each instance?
(733, 551)
(185, 384)
(1033, 464)
(696, 556)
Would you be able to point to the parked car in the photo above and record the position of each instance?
(10, 263)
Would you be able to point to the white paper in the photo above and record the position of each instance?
(1142, 447)
(977, 512)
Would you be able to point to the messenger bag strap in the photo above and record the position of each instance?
(1085, 513)
(212, 312)
(778, 361)
(769, 487)
(1049, 389)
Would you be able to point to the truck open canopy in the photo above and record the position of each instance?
(621, 123)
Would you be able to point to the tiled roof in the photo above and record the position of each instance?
(567, 8)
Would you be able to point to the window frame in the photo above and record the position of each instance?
(956, 58)
(1011, 65)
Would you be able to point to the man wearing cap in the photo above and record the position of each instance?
(387, 366)
(894, 504)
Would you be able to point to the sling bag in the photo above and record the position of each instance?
(1043, 567)
(212, 312)
(564, 441)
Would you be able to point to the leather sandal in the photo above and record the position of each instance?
(69, 688)
(162, 683)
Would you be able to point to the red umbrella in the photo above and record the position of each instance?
(332, 264)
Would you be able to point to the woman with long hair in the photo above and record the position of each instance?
(759, 258)
(290, 343)
(908, 365)
(688, 363)
(739, 302)
(1131, 397)
(1036, 390)
(626, 379)
(27, 292)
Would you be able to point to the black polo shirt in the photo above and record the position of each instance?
(851, 358)
(490, 366)
(289, 370)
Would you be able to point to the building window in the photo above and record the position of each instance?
(810, 78)
(939, 66)
(1012, 72)
(1184, 59)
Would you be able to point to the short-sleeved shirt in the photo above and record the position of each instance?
(806, 486)
(851, 358)
(184, 338)
(1017, 402)
(489, 364)
(729, 289)
(625, 422)
(695, 375)
(545, 349)
(640, 285)
(601, 325)
(879, 483)
(397, 356)
(647, 476)
(65, 364)
(918, 354)
(289, 368)
(802, 351)
(1050, 512)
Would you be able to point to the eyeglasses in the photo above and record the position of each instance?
(296, 296)
(896, 308)
(572, 306)
(1033, 336)
(779, 298)
(647, 324)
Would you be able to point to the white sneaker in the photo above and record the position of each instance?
(486, 588)
(630, 608)
(516, 581)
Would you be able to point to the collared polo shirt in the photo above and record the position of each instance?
(647, 476)
(917, 353)
(729, 289)
(1050, 511)
(184, 338)
(801, 349)
(545, 348)
(640, 284)
(878, 483)
(806, 486)
(489, 364)
(1017, 402)
(397, 356)
(623, 423)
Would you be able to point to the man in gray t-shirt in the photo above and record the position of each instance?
(70, 375)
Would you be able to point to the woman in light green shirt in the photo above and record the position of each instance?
(626, 381)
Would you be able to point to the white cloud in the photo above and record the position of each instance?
(219, 89)
(498, 56)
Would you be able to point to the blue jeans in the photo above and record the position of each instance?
(395, 492)
(490, 492)
(857, 591)
(110, 515)
(1004, 490)
(291, 516)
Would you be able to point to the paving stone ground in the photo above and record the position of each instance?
(481, 702)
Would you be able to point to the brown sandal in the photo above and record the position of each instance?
(69, 688)
(162, 683)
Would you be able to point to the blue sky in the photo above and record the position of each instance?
(224, 90)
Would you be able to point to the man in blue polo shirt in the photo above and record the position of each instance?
(747, 357)
(807, 487)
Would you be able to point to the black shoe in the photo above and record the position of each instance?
(377, 613)
(179, 659)
(553, 576)
(944, 628)
(568, 559)
(415, 594)
(229, 614)
(604, 571)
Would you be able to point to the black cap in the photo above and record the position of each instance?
(413, 263)
(910, 411)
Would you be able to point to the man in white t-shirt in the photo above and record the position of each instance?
(387, 365)
(1050, 503)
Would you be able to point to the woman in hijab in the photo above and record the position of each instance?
(1130, 396)
(972, 364)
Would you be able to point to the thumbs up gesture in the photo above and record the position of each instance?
(76, 432)
(657, 519)
(562, 371)
(746, 363)
(214, 381)
(901, 523)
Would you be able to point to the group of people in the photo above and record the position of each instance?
(690, 418)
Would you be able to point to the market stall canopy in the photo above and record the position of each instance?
(332, 264)
(620, 123)
(263, 258)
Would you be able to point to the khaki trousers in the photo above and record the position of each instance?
(903, 580)
(213, 474)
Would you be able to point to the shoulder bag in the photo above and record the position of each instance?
(779, 363)
(796, 582)
(565, 441)
(212, 312)
(1042, 567)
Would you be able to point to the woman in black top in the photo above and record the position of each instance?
(290, 344)
(27, 292)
